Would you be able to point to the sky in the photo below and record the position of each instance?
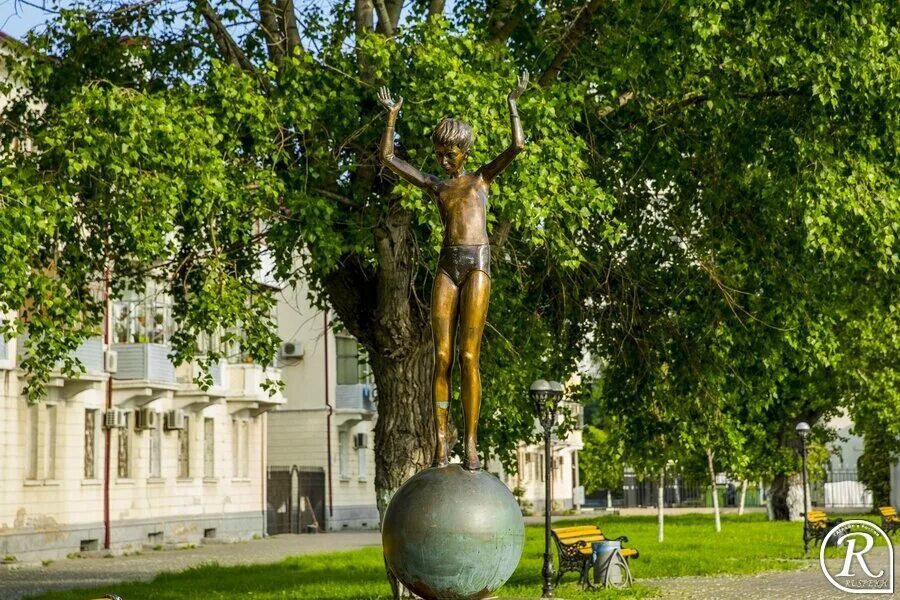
(20, 16)
(17, 17)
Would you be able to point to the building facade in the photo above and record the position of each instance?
(528, 483)
(132, 453)
(321, 442)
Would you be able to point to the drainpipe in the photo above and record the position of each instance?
(264, 443)
(107, 340)
(328, 425)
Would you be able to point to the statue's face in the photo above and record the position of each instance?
(451, 158)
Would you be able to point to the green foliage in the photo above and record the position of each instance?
(707, 202)
(601, 461)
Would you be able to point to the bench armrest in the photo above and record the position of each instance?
(623, 539)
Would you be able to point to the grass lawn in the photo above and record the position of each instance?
(747, 544)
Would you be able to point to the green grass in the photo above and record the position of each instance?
(746, 545)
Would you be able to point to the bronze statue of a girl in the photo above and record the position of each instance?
(462, 286)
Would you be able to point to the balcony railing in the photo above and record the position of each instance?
(357, 396)
(147, 362)
(90, 353)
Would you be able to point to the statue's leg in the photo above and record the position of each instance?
(473, 307)
(444, 310)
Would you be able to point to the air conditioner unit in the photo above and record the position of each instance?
(360, 440)
(115, 419)
(111, 361)
(175, 419)
(292, 350)
(146, 418)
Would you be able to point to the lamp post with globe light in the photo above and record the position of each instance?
(802, 432)
(545, 398)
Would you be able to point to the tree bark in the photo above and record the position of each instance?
(715, 492)
(660, 500)
(743, 497)
(579, 27)
(786, 495)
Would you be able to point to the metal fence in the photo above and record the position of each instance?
(679, 491)
(840, 488)
(837, 489)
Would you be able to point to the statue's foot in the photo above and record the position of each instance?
(441, 455)
(472, 464)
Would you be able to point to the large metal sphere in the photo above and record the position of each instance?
(452, 534)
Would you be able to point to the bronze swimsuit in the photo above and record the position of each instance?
(458, 261)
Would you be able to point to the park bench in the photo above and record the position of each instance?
(574, 547)
(819, 525)
(890, 522)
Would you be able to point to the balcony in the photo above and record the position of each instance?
(145, 362)
(91, 355)
(245, 392)
(357, 397)
(190, 396)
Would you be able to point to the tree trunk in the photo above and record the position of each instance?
(715, 492)
(743, 497)
(786, 495)
(609, 500)
(660, 505)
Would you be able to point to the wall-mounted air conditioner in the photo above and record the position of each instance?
(146, 418)
(293, 349)
(115, 419)
(175, 419)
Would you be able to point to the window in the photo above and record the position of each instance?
(344, 454)
(245, 462)
(31, 441)
(352, 362)
(124, 441)
(184, 450)
(50, 443)
(209, 448)
(145, 318)
(90, 443)
(155, 467)
(362, 464)
(235, 448)
(240, 442)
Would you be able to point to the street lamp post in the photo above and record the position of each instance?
(545, 397)
(802, 432)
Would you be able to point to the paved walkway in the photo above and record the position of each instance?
(808, 584)
(93, 572)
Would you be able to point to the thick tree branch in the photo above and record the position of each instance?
(384, 19)
(394, 8)
(229, 49)
(291, 30)
(573, 35)
(336, 197)
(272, 32)
(503, 20)
(365, 16)
(435, 8)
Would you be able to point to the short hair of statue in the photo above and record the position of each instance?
(453, 132)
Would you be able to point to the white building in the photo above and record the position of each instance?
(529, 483)
(321, 442)
(132, 452)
